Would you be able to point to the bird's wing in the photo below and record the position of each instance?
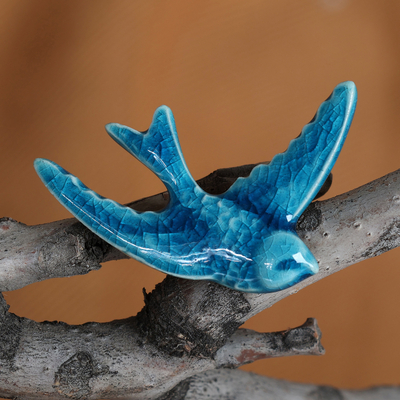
(121, 226)
(289, 183)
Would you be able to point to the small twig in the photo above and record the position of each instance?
(246, 346)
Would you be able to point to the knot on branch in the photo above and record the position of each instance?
(187, 325)
(72, 378)
(325, 393)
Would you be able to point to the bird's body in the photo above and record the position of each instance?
(244, 238)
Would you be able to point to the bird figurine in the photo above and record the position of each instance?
(245, 238)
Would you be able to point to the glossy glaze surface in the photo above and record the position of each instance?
(245, 238)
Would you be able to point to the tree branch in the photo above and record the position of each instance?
(340, 231)
(112, 360)
(239, 385)
(185, 325)
(246, 346)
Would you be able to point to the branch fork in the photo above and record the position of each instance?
(187, 330)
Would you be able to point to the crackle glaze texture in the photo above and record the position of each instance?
(244, 238)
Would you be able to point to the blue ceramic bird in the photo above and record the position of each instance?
(245, 238)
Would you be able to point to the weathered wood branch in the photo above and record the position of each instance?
(185, 325)
(112, 360)
(239, 385)
(246, 346)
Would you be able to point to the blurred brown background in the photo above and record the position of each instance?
(242, 78)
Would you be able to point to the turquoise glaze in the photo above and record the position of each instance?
(244, 238)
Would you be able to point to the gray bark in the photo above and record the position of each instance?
(239, 385)
(186, 327)
(113, 360)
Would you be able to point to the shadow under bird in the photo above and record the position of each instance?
(245, 238)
